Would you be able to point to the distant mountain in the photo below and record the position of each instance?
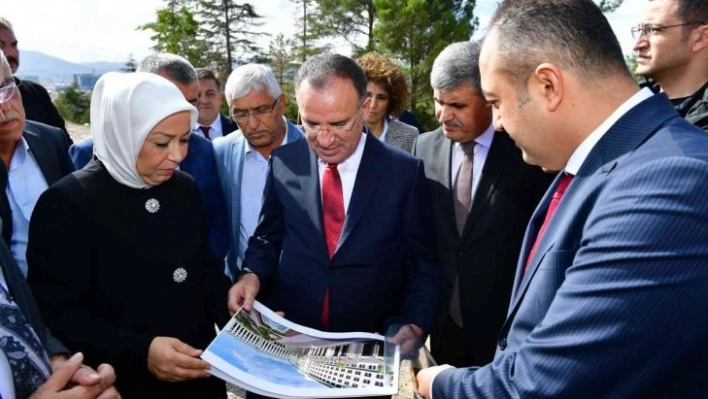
(52, 70)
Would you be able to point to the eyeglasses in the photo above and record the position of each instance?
(7, 91)
(336, 129)
(258, 113)
(650, 30)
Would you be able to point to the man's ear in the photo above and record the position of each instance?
(547, 82)
(701, 41)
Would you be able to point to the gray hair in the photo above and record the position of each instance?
(319, 69)
(5, 24)
(174, 66)
(5, 70)
(572, 34)
(457, 64)
(251, 77)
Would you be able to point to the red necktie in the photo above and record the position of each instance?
(205, 130)
(333, 219)
(557, 195)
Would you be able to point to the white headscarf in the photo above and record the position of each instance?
(125, 107)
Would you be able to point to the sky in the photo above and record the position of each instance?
(105, 30)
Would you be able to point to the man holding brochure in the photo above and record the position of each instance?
(345, 239)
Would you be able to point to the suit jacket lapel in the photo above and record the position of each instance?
(493, 168)
(43, 156)
(625, 135)
(312, 197)
(366, 182)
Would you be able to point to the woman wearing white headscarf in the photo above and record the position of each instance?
(118, 251)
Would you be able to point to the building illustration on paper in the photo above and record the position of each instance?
(336, 364)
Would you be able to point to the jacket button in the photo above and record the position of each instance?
(502, 344)
(460, 253)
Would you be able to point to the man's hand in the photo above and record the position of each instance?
(425, 378)
(243, 293)
(170, 359)
(61, 384)
(410, 339)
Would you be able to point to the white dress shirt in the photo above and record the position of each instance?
(347, 171)
(382, 138)
(253, 179)
(25, 184)
(215, 128)
(481, 150)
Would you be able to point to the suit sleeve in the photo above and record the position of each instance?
(264, 247)
(61, 278)
(639, 274)
(81, 153)
(423, 276)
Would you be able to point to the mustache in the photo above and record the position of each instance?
(12, 59)
(8, 116)
(451, 124)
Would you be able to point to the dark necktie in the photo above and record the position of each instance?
(557, 196)
(205, 130)
(333, 219)
(22, 348)
(463, 202)
(5, 210)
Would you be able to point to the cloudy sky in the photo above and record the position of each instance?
(105, 30)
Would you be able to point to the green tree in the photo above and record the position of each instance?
(609, 5)
(74, 104)
(305, 43)
(227, 28)
(131, 65)
(178, 32)
(414, 32)
(281, 58)
(347, 19)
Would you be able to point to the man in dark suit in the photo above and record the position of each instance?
(481, 203)
(610, 297)
(211, 123)
(346, 224)
(34, 157)
(35, 99)
(199, 162)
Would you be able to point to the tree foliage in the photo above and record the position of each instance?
(305, 43)
(177, 31)
(227, 28)
(609, 5)
(74, 104)
(350, 20)
(414, 32)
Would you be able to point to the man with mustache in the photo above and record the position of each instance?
(672, 49)
(257, 105)
(483, 196)
(35, 99)
(211, 123)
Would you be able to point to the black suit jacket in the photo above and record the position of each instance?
(50, 148)
(227, 125)
(486, 254)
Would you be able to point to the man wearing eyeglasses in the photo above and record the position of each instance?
(345, 241)
(672, 49)
(257, 105)
(34, 156)
(211, 123)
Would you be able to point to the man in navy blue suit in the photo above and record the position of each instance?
(345, 239)
(199, 162)
(610, 297)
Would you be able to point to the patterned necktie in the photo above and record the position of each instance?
(463, 202)
(24, 351)
(557, 196)
(205, 130)
(333, 219)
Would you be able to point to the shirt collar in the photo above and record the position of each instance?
(354, 159)
(581, 153)
(20, 154)
(485, 139)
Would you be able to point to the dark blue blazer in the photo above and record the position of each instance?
(201, 165)
(384, 271)
(615, 301)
